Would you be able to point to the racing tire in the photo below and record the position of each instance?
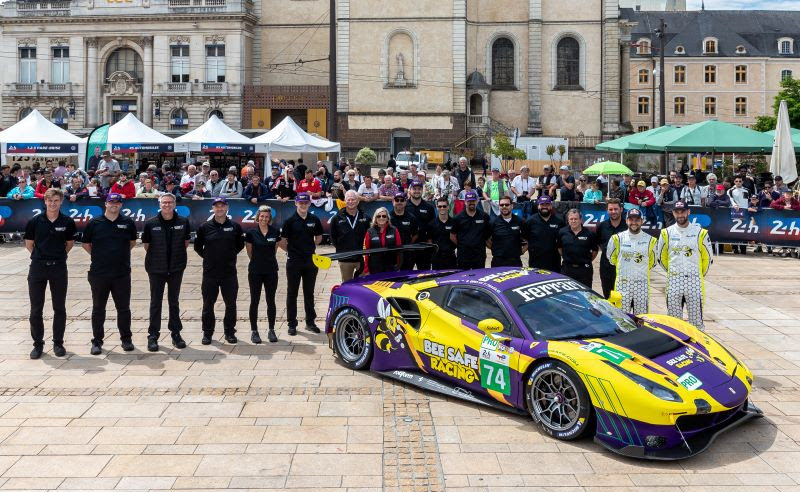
(558, 401)
(352, 339)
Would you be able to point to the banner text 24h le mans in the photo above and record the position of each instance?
(771, 227)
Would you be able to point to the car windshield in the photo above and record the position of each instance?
(574, 314)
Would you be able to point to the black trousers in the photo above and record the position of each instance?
(581, 273)
(297, 272)
(465, 263)
(39, 275)
(120, 290)
(443, 261)
(506, 262)
(407, 262)
(423, 259)
(270, 283)
(157, 283)
(607, 279)
(550, 262)
(210, 289)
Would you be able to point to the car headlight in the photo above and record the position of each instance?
(655, 389)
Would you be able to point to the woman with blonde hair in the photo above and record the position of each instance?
(261, 243)
(382, 234)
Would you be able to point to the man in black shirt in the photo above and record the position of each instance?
(606, 229)
(541, 234)
(109, 240)
(49, 237)
(165, 239)
(470, 232)
(218, 242)
(406, 225)
(506, 237)
(348, 228)
(464, 174)
(303, 232)
(440, 230)
(578, 247)
(424, 213)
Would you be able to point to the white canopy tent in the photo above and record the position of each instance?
(214, 136)
(130, 135)
(35, 134)
(287, 136)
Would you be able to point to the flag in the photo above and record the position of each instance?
(97, 142)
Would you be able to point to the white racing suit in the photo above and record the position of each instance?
(685, 253)
(634, 255)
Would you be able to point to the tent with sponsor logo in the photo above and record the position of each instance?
(214, 136)
(129, 135)
(36, 135)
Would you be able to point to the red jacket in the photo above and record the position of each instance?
(41, 188)
(635, 195)
(376, 238)
(780, 203)
(129, 190)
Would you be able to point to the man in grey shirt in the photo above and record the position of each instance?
(107, 168)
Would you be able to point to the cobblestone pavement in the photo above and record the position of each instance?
(287, 415)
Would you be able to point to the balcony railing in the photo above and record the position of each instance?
(179, 87)
(213, 86)
(44, 7)
(478, 120)
(197, 5)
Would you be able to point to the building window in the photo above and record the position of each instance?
(644, 76)
(125, 60)
(568, 63)
(741, 106)
(679, 50)
(503, 63)
(679, 106)
(179, 119)
(642, 128)
(216, 113)
(710, 46)
(741, 50)
(710, 74)
(741, 74)
(710, 106)
(644, 105)
(25, 112)
(643, 47)
(785, 46)
(679, 74)
(786, 74)
(60, 69)
(60, 117)
(215, 63)
(180, 63)
(27, 65)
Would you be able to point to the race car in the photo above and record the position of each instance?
(539, 343)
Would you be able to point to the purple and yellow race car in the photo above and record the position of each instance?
(539, 343)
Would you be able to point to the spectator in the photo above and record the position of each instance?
(140, 184)
(191, 172)
(171, 186)
(627, 186)
(214, 183)
(22, 191)
(76, 190)
(286, 190)
(654, 187)
(644, 199)
(779, 186)
(7, 180)
(786, 202)
(593, 195)
(205, 173)
(581, 188)
(692, 194)
(678, 186)
(199, 192)
(351, 183)
(231, 187)
(481, 186)
(566, 185)
(468, 188)
(326, 179)
(740, 196)
(95, 189)
(392, 163)
(247, 173)
(310, 185)
(710, 190)
(720, 198)
(523, 186)
(388, 190)
(46, 183)
(72, 170)
(447, 186)
(494, 190)
(256, 191)
(148, 189)
(615, 191)
(368, 191)
(463, 173)
(124, 187)
(548, 183)
(748, 182)
(428, 187)
(665, 201)
(403, 183)
(727, 183)
(108, 166)
(767, 195)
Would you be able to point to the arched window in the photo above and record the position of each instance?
(476, 105)
(786, 74)
(60, 117)
(643, 47)
(216, 113)
(125, 60)
(710, 46)
(502, 64)
(568, 62)
(179, 119)
(785, 46)
(25, 112)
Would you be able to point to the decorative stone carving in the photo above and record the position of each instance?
(91, 42)
(179, 40)
(26, 42)
(59, 42)
(400, 78)
(121, 84)
(145, 42)
(215, 39)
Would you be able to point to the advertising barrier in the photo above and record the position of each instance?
(771, 227)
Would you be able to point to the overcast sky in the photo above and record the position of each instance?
(745, 4)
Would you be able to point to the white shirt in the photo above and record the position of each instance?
(363, 190)
(186, 178)
(523, 185)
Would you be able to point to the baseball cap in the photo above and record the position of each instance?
(114, 197)
(641, 183)
(721, 187)
(691, 176)
(680, 206)
(664, 181)
(470, 196)
(415, 183)
(564, 168)
(220, 199)
(635, 212)
(302, 197)
(778, 178)
(544, 199)
(654, 179)
(400, 194)
(420, 173)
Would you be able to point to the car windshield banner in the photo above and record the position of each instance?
(40, 148)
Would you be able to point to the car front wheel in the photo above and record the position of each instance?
(352, 339)
(558, 400)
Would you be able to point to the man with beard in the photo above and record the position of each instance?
(407, 226)
(605, 230)
(506, 240)
(348, 228)
(632, 252)
(578, 248)
(470, 232)
(424, 213)
(541, 234)
(441, 228)
(684, 251)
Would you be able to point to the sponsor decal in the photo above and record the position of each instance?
(495, 374)
(609, 353)
(451, 361)
(680, 361)
(423, 296)
(403, 375)
(689, 381)
(538, 290)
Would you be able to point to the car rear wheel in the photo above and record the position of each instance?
(352, 339)
(558, 400)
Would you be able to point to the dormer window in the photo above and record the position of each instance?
(679, 50)
(643, 47)
(741, 50)
(710, 46)
(785, 46)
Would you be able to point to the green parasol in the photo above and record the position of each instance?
(607, 167)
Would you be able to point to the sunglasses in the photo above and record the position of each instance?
(382, 216)
(441, 206)
(505, 204)
(399, 199)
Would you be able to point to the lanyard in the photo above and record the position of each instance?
(353, 223)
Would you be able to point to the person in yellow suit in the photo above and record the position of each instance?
(684, 251)
(633, 253)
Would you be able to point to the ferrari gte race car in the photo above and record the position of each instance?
(536, 342)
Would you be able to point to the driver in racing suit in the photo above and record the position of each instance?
(632, 252)
(684, 250)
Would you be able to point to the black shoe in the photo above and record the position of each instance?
(271, 336)
(312, 328)
(231, 338)
(206, 340)
(36, 352)
(292, 331)
(59, 351)
(178, 342)
(96, 350)
(255, 337)
(152, 344)
(127, 345)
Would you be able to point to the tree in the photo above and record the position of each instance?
(550, 150)
(505, 150)
(366, 156)
(765, 123)
(790, 92)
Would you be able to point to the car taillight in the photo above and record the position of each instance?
(333, 289)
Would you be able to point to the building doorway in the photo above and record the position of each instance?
(401, 140)
(121, 107)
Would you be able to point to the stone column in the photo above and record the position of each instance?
(146, 112)
(92, 85)
(534, 68)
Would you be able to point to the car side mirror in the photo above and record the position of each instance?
(615, 298)
(491, 327)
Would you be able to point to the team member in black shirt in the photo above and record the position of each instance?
(541, 233)
(578, 247)
(382, 234)
(606, 229)
(49, 237)
(424, 213)
(441, 227)
(261, 242)
(165, 239)
(348, 227)
(109, 240)
(406, 225)
(303, 232)
(470, 232)
(218, 242)
(506, 239)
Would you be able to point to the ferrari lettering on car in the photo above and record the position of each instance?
(538, 290)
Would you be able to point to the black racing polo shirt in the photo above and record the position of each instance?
(406, 224)
(471, 234)
(111, 245)
(264, 247)
(506, 237)
(542, 235)
(50, 238)
(440, 234)
(577, 248)
(219, 245)
(300, 234)
(425, 213)
(604, 232)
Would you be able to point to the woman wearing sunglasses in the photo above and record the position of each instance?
(382, 234)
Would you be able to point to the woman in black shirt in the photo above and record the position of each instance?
(261, 242)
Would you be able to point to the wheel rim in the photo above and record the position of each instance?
(352, 338)
(555, 400)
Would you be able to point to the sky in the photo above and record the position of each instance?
(745, 4)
